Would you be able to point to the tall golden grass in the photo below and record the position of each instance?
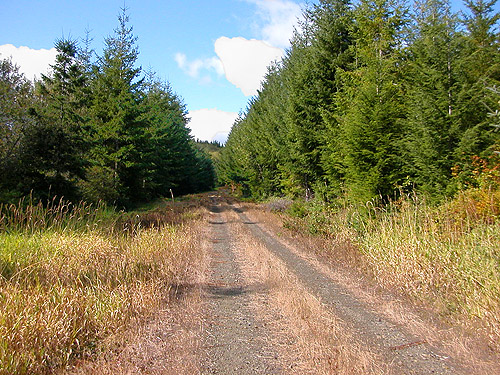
(56, 214)
(447, 256)
(68, 281)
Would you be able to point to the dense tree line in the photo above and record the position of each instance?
(96, 129)
(372, 98)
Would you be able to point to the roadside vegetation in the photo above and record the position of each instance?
(444, 256)
(379, 131)
(72, 276)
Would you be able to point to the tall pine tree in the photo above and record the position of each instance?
(480, 71)
(53, 147)
(372, 124)
(118, 134)
(332, 54)
(431, 81)
(16, 94)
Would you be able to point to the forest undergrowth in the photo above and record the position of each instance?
(71, 276)
(445, 256)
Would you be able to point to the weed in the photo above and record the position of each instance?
(278, 204)
(447, 256)
(69, 278)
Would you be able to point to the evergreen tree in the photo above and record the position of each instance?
(265, 136)
(53, 147)
(169, 152)
(332, 55)
(233, 166)
(16, 99)
(96, 130)
(372, 124)
(201, 173)
(302, 117)
(358, 104)
(431, 81)
(118, 135)
(480, 71)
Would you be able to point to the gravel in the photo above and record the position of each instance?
(234, 340)
(403, 352)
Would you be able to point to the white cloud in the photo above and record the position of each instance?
(193, 68)
(210, 124)
(245, 61)
(279, 18)
(180, 59)
(31, 62)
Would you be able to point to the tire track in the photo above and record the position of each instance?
(403, 352)
(234, 341)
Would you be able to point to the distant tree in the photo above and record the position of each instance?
(212, 149)
(16, 99)
(233, 167)
(202, 171)
(209, 146)
(169, 151)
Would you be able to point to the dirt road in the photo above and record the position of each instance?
(235, 342)
(260, 304)
(273, 309)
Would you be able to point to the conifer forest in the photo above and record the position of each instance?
(372, 98)
(375, 98)
(97, 129)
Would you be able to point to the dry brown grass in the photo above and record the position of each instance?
(308, 337)
(65, 290)
(168, 343)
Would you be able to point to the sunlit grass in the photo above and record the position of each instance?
(456, 267)
(58, 215)
(446, 256)
(69, 280)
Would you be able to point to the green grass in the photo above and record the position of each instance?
(70, 276)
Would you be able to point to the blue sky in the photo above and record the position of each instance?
(213, 52)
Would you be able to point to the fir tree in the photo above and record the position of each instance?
(168, 148)
(431, 84)
(53, 147)
(372, 125)
(118, 133)
(480, 71)
(17, 98)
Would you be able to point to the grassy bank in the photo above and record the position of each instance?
(447, 256)
(71, 276)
